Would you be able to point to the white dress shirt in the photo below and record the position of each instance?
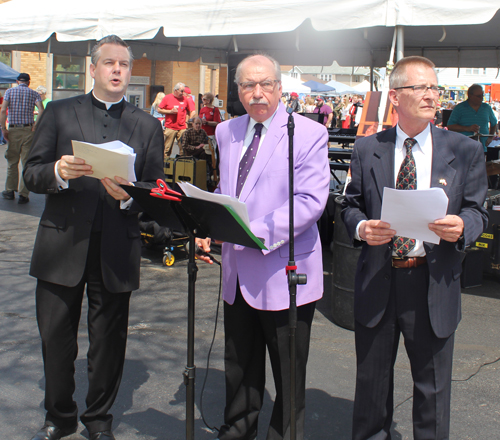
(422, 153)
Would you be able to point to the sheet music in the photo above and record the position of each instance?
(107, 160)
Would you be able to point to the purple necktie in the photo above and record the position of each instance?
(248, 158)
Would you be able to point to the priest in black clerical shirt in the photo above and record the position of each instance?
(88, 237)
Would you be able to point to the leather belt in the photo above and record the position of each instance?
(406, 263)
(20, 125)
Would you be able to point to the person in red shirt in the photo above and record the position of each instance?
(175, 107)
(189, 97)
(209, 115)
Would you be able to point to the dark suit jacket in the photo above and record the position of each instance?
(460, 162)
(60, 251)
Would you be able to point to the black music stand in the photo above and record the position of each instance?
(196, 218)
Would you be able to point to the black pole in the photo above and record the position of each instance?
(293, 280)
(190, 371)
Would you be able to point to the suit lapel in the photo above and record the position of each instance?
(84, 115)
(237, 133)
(383, 163)
(128, 121)
(273, 137)
(442, 173)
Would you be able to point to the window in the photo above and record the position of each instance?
(472, 71)
(68, 77)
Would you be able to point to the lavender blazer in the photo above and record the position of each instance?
(261, 274)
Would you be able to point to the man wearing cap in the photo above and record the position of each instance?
(175, 107)
(324, 110)
(21, 102)
(294, 104)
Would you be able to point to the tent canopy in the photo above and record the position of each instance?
(344, 89)
(7, 74)
(316, 86)
(453, 33)
(290, 85)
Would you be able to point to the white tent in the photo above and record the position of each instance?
(343, 89)
(362, 87)
(290, 85)
(298, 32)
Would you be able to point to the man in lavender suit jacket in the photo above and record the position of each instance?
(255, 287)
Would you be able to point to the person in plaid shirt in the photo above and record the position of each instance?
(21, 102)
(193, 140)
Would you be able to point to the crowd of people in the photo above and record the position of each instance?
(339, 111)
(88, 237)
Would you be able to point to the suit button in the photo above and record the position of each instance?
(89, 222)
(387, 277)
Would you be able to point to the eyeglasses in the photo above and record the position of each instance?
(421, 90)
(266, 86)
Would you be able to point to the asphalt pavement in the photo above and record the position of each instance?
(151, 401)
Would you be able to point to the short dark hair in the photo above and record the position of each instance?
(110, 39)
(398, 75)
(470, 90)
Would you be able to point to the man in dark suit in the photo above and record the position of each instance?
(413, 288)
(88, 235)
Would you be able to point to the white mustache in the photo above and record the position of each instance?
(258, 101)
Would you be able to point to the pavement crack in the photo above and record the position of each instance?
(403, 402)
(477, 371)
(457, 380)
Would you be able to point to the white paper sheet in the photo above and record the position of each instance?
(239, 207)
(410, 212)
(108, 160)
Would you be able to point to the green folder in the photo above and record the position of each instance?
(202, 218)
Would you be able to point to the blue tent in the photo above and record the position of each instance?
(7, 74)
(316, 86)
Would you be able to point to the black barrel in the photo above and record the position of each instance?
(345, 259)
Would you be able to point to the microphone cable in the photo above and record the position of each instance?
(212, 428)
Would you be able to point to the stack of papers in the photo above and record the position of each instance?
(231, 202)
(107, 160)
(410, 212)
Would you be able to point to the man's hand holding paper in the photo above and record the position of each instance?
(107, 160)
(449, 228)
(420, 214)
(71, 167)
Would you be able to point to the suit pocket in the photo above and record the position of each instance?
(54, 221)
(455, 191)
(280, 172)
(301, 248)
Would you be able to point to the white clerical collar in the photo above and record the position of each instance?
(106, 103)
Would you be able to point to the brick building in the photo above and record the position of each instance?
(65, 76)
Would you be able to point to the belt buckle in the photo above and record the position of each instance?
(393, 259)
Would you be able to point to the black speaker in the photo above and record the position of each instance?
(154, 90)
(234, 106)
(446, 115)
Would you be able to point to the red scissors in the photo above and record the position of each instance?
(164, 192)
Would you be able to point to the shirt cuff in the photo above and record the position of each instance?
(356, 235)
(125, 204)
(62, 184)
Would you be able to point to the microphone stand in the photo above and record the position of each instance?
(293, 280)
